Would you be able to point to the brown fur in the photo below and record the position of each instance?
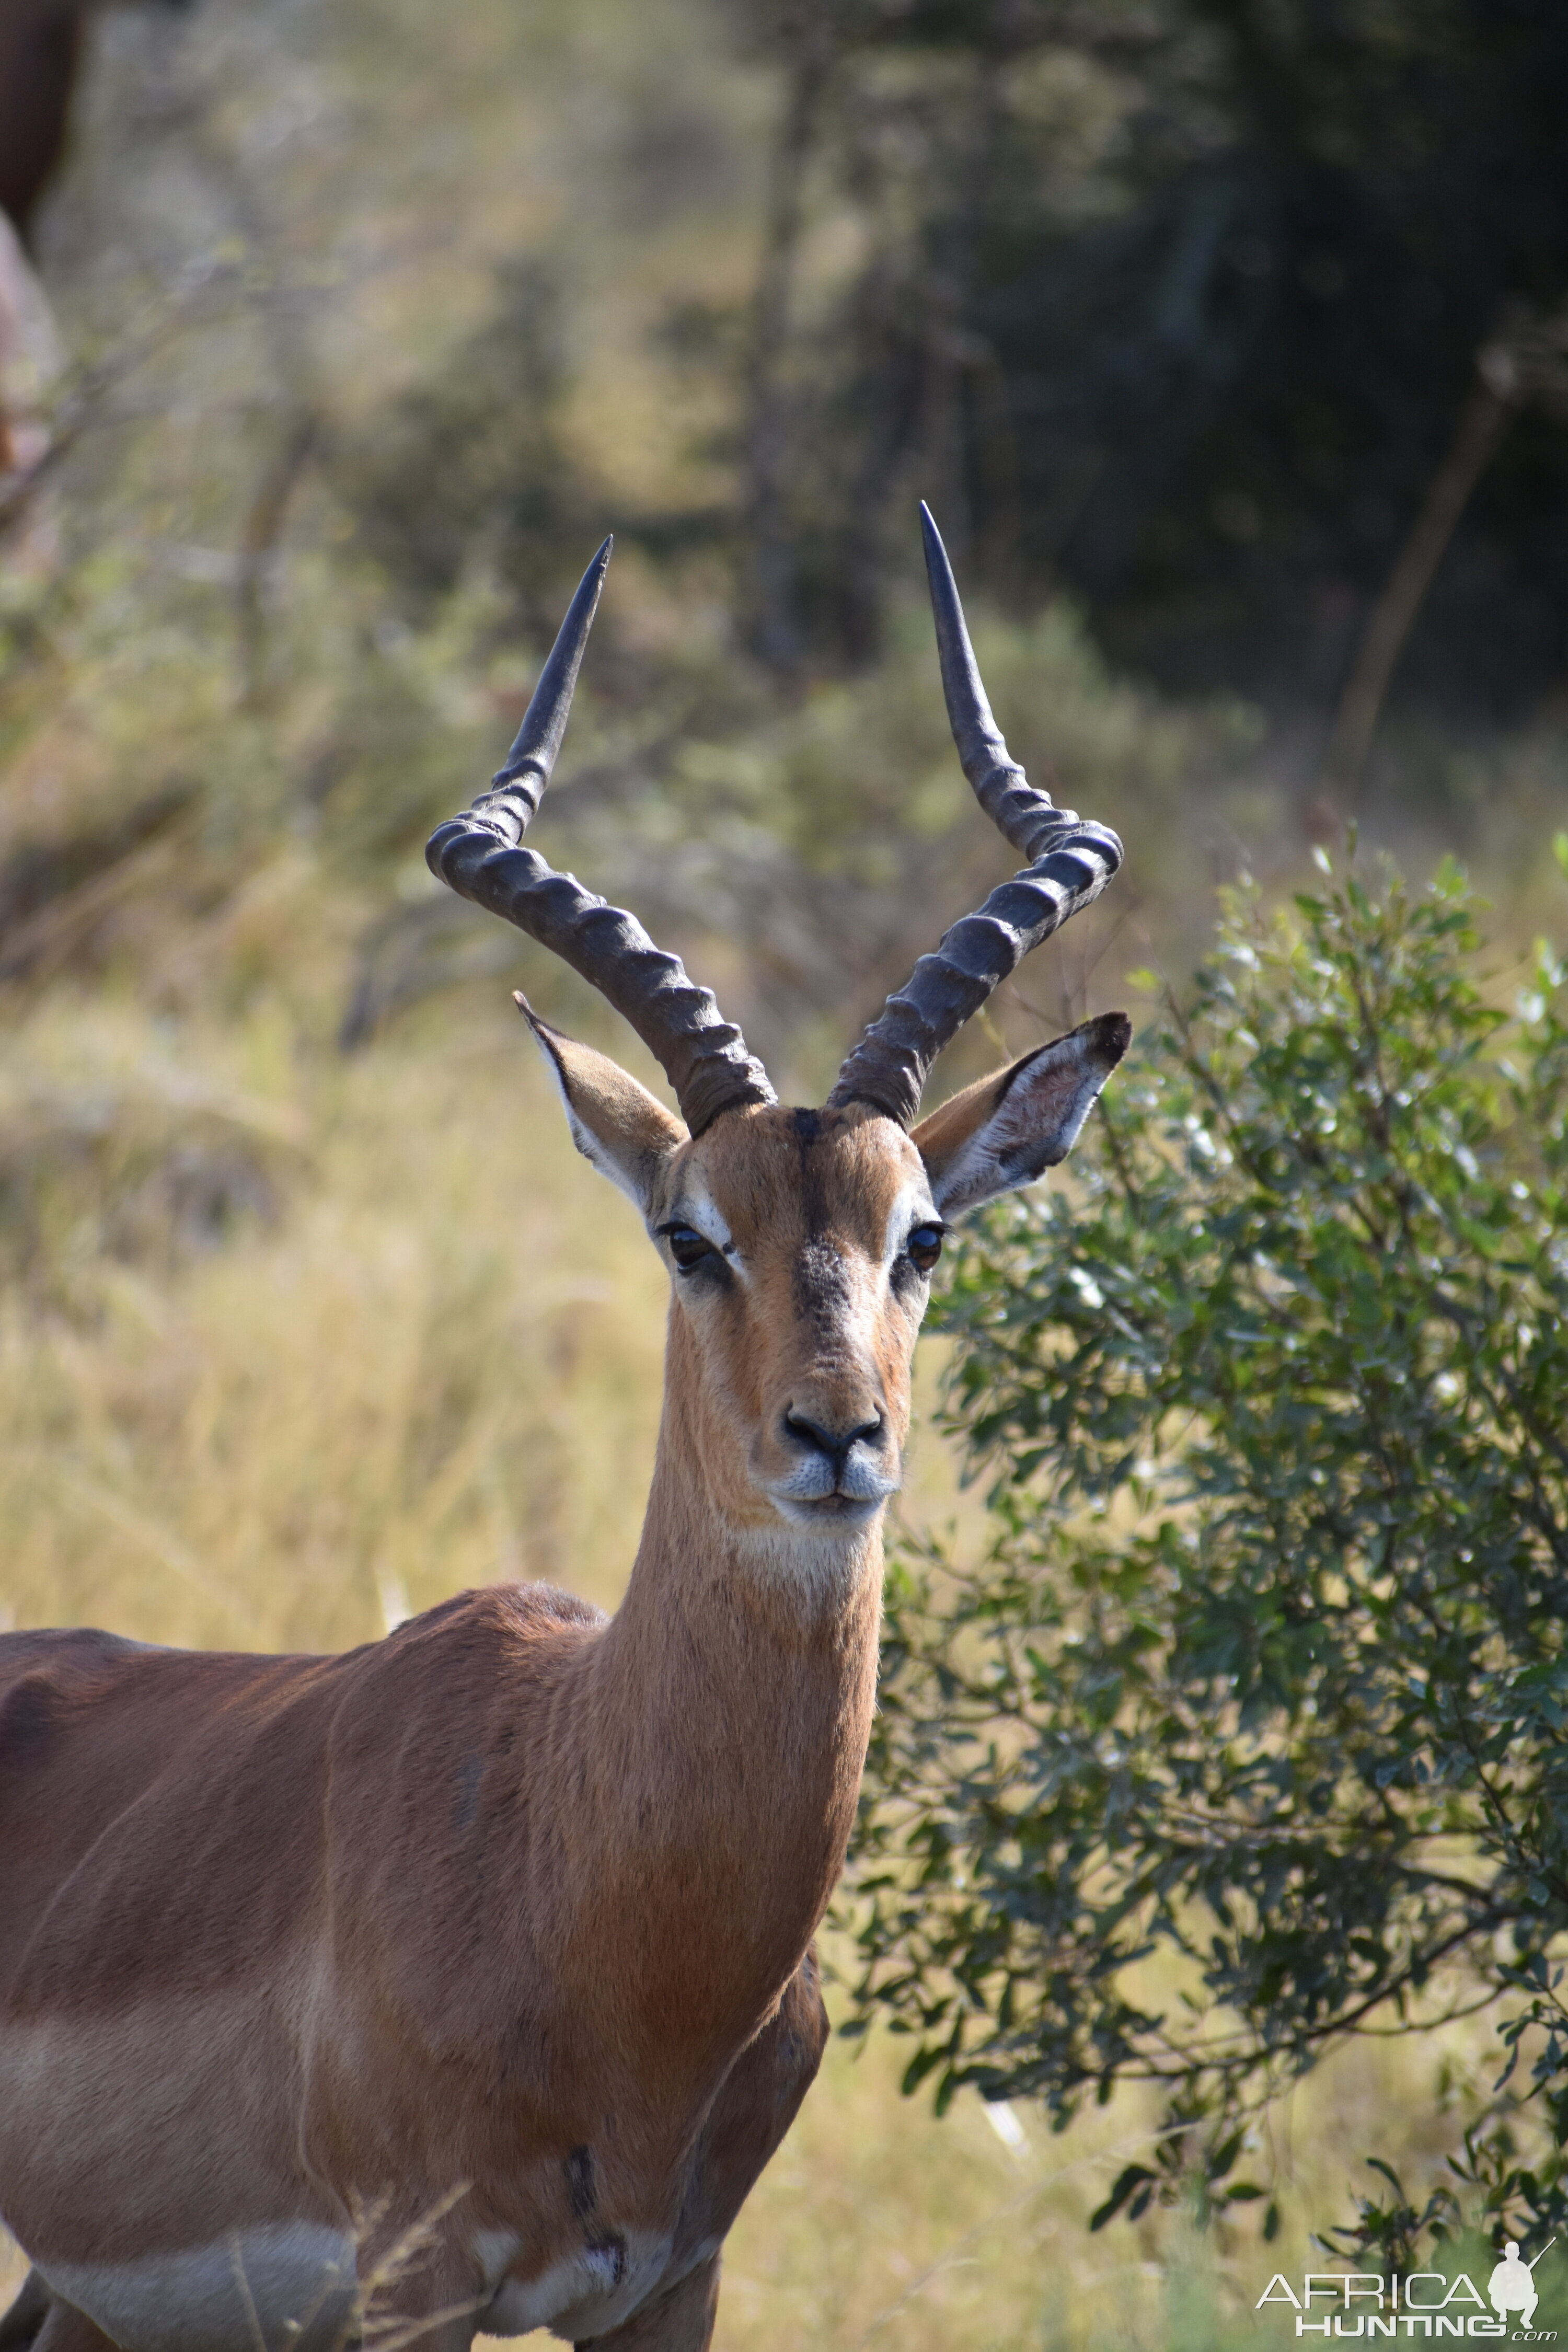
(521, 1897)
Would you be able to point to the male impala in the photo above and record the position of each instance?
(497, 1934)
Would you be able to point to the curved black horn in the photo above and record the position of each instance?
(480, 854)
(1070, 860)
(538, 740)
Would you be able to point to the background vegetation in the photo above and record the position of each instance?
(377, 317)
(1245, 1738)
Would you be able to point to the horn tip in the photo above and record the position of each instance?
(938, 570)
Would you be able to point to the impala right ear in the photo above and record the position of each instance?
(1004, 1130)
(626, 1133)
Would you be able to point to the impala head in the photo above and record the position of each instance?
(801, 1242)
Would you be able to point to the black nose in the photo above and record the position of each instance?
(834, 1443)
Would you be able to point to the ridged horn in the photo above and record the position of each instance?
(1070, 860)
(480, 854)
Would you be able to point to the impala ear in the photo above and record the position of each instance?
(625, 1131)
(1005, 1130)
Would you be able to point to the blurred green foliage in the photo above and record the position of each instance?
(1265, 1674)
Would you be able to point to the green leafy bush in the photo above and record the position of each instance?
(1249, 1733)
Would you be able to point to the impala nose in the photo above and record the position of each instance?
(839, 1469)
(835, 1443)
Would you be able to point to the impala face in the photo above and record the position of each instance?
(801, 1246)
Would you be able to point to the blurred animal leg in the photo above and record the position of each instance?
(65, 2330)
(680, 2321)
(759, 2101)
(450, 2335)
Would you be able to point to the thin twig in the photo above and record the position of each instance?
(87, 390)
(1480, 429)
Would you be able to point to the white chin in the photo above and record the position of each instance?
(834, 1514)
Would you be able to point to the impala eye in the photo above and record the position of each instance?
(924, 1246)
(687, 1246)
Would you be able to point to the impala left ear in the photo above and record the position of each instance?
(1005, 1130)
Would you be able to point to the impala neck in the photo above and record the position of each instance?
(738, 1681)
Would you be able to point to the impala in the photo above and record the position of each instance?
(494, 1940)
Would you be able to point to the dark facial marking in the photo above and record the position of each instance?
(821, 1286)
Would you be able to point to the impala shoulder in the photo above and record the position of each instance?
(487, 1617)
(75, 1657)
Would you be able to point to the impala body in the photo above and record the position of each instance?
(464, 1982)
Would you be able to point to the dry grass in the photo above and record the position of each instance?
(430, 1356)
